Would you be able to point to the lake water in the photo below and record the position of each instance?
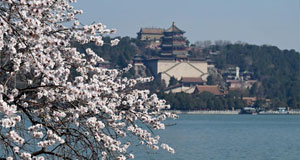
(230, 137)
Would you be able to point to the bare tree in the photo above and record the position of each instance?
(203, 44)
(222, 42)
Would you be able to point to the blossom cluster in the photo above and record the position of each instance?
(52, 139)
(10, 121)
(168, 148)
(15, 137)
(60, 99)
(6, 108)
(93, 122)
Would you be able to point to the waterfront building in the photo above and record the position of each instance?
(173, 43)
(249, 100)
(213, 89)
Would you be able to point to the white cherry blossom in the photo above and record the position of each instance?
(58, 103)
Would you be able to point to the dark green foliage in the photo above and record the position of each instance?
(203, 101)
(120, 55)
(277, 70)
(211, 80)
(173, 81)
(155, 86)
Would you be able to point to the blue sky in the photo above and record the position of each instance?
(272, 22)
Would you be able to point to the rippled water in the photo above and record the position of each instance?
(230, 137)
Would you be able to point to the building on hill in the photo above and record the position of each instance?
(240, 84)
(170, 42)
(186, 84)
(237, 80)
(180, 88)
(150, 34)
(173, 43)
(192, 81)
(165, 68)
(213, 89)
(234, 73)
(173, 60)
(138, 66)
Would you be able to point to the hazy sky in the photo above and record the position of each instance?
(273, 22)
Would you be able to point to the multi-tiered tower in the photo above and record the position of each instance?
(173, 43)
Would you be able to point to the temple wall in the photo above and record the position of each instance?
(179, 69)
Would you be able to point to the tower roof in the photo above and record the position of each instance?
(174, 28)
(152, 30)
(214, 89)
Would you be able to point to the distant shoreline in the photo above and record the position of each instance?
(230, 112)
(212, 112)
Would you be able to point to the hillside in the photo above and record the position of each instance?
(277, 72)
